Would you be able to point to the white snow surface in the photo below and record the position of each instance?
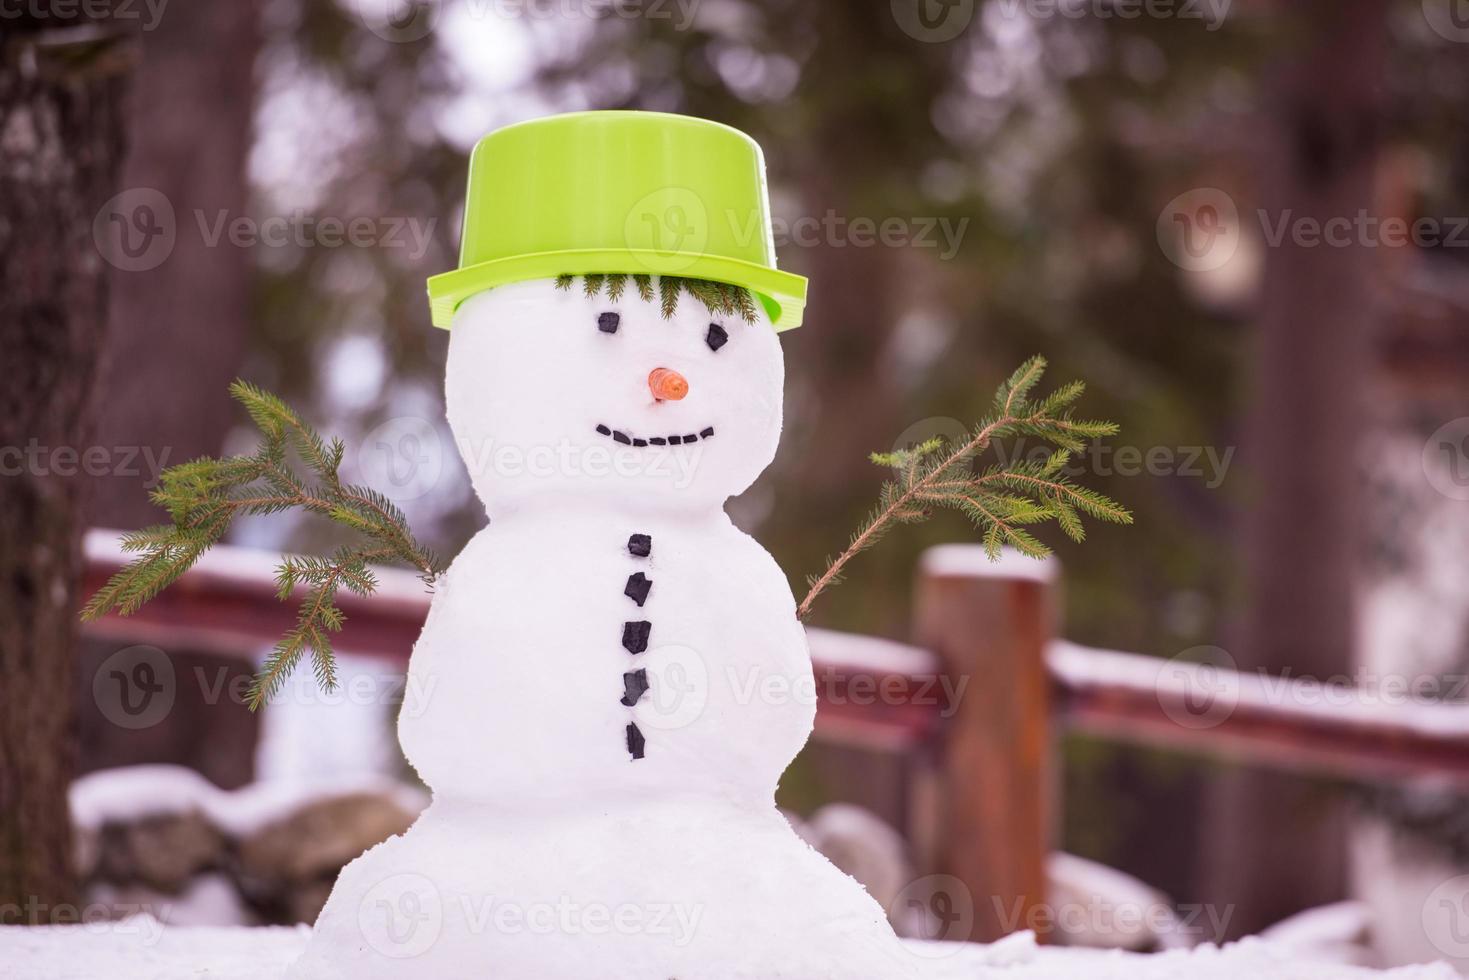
(131, 793)
(142, 949)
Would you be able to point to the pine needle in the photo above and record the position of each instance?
(1004, 500)
(719, 298)
(204, 495)
(616, 283)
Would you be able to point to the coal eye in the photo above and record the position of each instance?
(717, 338)
(607, 322)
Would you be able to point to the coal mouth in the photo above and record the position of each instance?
(627, 439)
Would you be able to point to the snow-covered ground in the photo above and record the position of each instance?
(141, 949)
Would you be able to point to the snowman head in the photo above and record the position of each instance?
(637, 390)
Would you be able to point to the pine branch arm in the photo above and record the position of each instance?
(1031, 498)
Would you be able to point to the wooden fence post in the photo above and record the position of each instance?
(985, 815)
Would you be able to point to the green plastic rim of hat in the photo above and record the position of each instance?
(618, 192)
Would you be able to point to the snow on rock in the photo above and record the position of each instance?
(969, 560)
(1116, 910)
(163, 840)
(252, 808)
(132, 793)
(1340, 933)
(140, 948)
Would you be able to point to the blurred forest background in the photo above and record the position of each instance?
(1099, 177)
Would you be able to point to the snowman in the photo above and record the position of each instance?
(612, 677)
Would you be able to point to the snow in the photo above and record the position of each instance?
(141, 948)
(133, 793)
(873, 654)
(1342, 931)
(1390, 705)
(970, 561)
(1131, 915)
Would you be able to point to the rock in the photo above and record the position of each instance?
(286, 868)
(162, 851)
(1102, 907)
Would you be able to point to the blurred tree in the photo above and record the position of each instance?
(180, 321)
(1279, 845)
(62, 79)
(179, 328)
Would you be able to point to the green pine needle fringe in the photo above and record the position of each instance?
(719, 298)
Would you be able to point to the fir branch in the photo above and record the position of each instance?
(205, 495)
(1004, 500)
(719, 298)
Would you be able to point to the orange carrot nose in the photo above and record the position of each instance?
(667, 384)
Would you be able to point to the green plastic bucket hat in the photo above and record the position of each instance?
(629, 192)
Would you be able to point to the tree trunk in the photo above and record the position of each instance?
(180, 316)
(61, 142)
(1278, 844)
